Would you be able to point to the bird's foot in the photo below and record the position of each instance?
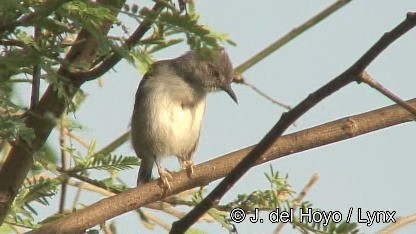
(165, 177)
(189, 166)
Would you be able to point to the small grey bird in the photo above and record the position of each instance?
(170, 106)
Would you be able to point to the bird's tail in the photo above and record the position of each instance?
(145, 171)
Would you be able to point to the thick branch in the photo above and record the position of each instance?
(217, 168)
(350, 75)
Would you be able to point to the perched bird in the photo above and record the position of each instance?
(170, 106)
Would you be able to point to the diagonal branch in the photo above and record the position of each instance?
(291, 35)
(400, 222)
(219, 167)
(350, 75)
(366, 78)
(297, 201)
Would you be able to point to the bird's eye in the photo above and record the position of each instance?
(213, 71)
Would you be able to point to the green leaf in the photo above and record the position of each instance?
(39, 190)
(142, 60)
(87, 13)
(13, 127)
(18, 220)
(195, 231)
(197, 35)
(55, 25)
(112, 162)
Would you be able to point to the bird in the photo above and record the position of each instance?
(170, 105)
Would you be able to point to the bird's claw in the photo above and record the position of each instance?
(189, 166)
(165, 177)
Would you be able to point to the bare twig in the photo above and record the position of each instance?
(115, 144)
(90, 187)
(305, 190)
(366, 78)
(64, 165)
(149, 216)
(350, 75)
(291, 35)
(77, 138)
(281, 42)
(35, 75)
(80, 188)
(253, 87)
(400, 222)
(21, 80)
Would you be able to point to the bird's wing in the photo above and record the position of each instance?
(142, 83)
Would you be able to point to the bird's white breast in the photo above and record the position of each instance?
(177, 126)
(171, 115)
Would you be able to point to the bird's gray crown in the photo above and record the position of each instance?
(210, 68)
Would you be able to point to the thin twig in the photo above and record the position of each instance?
(21, 80)
(80, 189)
(305, 190)
(92, 182)
(149, 216)
(64, 165)
(114, 144)
(366, 78)
(34, 99)
(400, 222)
(107, 228)
(350, 75)
(91, 187)
(290, 36)
(17, 229)
(77, 138)
(263, 94)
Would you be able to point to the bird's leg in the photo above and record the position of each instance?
(165, 176)
(188, 165)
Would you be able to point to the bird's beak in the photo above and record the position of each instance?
(227, 89)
